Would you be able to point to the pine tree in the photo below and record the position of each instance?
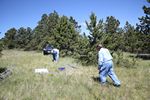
(1, 46)
(96, 34)
(111, 25)
(144, 26)
(9, 39)
(113, 35)
(130, 37)
(23, 37)
(144, 29)
(66, 37)
(28, 38)
(96, 29)
(39, 33)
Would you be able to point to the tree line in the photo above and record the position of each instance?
(64, 33)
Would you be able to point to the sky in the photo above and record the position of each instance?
(27, 13)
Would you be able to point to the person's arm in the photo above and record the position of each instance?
(100, 59)
(52, 51)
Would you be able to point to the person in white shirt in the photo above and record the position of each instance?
(105, 66)
(55, 53)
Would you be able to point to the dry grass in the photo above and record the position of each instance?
(79, 83)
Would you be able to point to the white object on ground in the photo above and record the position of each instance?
(41, 70)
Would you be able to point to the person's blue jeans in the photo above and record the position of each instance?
(107, 70)
(55, 56)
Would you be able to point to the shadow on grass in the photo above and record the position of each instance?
(2, 69)
(97, 79)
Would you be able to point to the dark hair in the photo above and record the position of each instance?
(99, 46)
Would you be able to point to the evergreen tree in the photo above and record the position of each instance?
(1, 46)
(96, 33)
(144, 26)
(28, 38)
(66, 37)
(52, 24)
(96, 29)
(144, 29)
(39, 33)
(83, 49)
(113, 36)
(75, 24)
(111, 25)
(23, 37)
(9, 39)
(130, 37)
(45, 31)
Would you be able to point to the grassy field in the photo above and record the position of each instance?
(74, 83)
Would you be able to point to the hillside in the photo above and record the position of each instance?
(76, 82)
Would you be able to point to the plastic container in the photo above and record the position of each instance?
(61, 68)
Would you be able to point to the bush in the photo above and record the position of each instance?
(122, 60)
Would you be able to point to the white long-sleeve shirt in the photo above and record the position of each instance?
(103, 56)
(55, 51)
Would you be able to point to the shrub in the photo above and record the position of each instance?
(122, 60)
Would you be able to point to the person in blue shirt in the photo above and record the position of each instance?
(105, 66)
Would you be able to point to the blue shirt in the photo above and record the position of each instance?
(103, 56)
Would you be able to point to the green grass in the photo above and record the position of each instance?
(71, 84)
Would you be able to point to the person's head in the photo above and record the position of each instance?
(52, 46)
(99, 46)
